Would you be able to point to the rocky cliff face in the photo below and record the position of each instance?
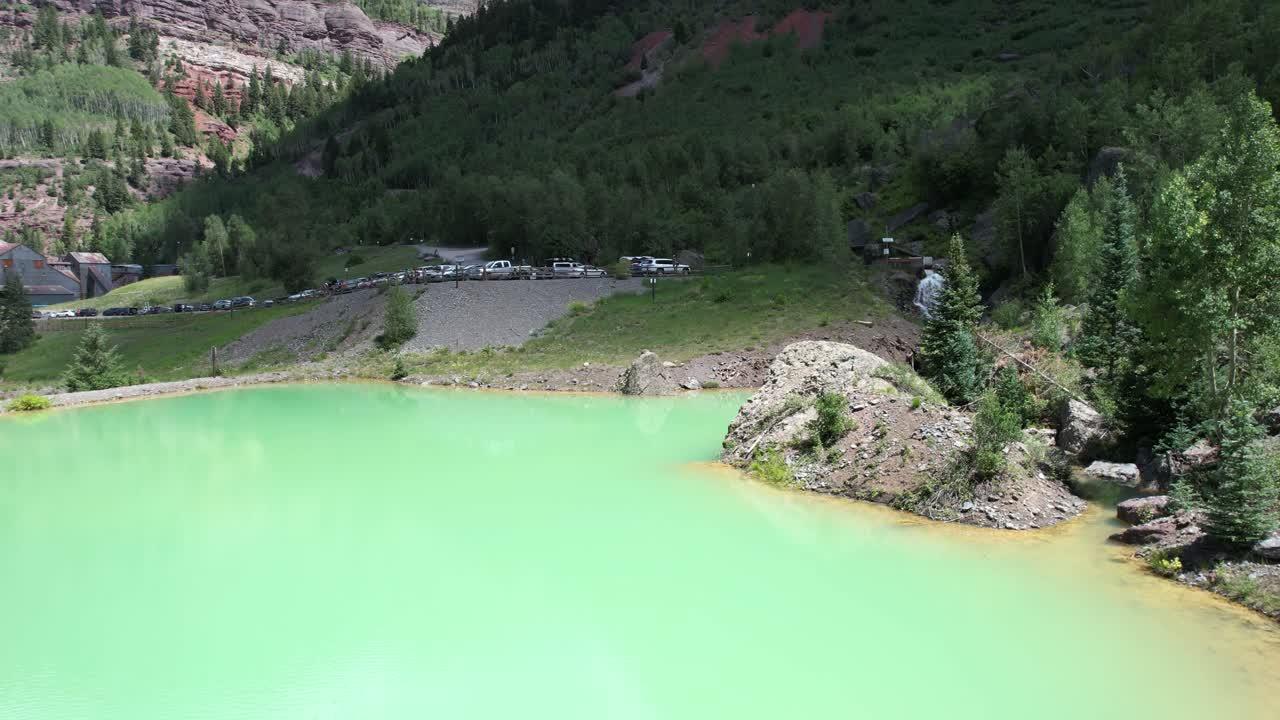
(315, 24)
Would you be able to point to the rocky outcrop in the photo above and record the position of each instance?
(802, 371)
(647, 375)
(326, 25)
(899, 450)
(1141, 510)
(167, 175)
(1081, 429)
(1180, 530)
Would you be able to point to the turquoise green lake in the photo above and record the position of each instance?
(371, 552)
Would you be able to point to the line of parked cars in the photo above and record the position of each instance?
(642, 265)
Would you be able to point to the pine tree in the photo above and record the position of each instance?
(1242, 503)
(200, 100)
(1108, 334)
(252, 97)
(219, 102)
(17, 330)
(96, 365)
(1046, 320)
(949, 346)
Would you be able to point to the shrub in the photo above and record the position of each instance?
(1007, 315)
(832, 422)
(355, 260)
(711, 384)
(577, 308)
(399, 370)
(906, 380)
(400, 322)
(771, 467)
(620, 269)
(1164, 562)
(1014, 396)
(1046, 321)
(29, 403)
(994, 427)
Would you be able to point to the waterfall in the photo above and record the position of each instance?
(927, 292)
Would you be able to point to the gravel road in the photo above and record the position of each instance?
(477, 315)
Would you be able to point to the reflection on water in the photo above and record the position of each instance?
(382, 552)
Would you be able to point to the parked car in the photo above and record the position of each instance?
(662, 266)
(64, 314)
(222, 305)
(87, 312)
(567, 269)
(183, 308)
(268, 303)
(204, 307)
(592, 271)
(243, 302)
(493, 270)
(36, 314)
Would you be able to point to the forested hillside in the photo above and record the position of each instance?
(596, 128)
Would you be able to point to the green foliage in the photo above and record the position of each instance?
(770, 466)
(1007, 315)
(29, 403)
(68, 101)
(995, 425)
(1013, 395)
(1209, 298)
(1242, 504)
(17, 330)
(948, 346)
(832, 422)
(1108, 336)
(400, 322)
(96, 365)
(1164, 562)
(1046, 321)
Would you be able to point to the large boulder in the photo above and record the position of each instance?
(1081, 429)
(1141, 510)
(1119, 473)
(779, 412)
(1174, 530)
(648, 376)
(1268, 548)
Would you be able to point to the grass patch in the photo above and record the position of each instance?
(908, 382)
(165, 347)
(1236, 584)
(689, 318)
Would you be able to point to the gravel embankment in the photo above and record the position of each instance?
(477, 315)
(333, 324)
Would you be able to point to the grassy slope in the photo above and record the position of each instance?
(689, 318)
(166, 347)
(169, 290)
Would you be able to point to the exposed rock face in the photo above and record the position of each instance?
(648, 376)
(802, 370)
(1082, 429)
(315, 24)
(168, 175)
(1137, 511)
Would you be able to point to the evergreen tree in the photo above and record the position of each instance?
(96, 145)
(219, 102)
(17, 330)
(949, 345)
(252, 97)
(1046, 320)
(200, 99)
(1108, 334)
(1242, 503)
(96, 365)
(67, 241)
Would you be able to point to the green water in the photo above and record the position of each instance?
(372, 552)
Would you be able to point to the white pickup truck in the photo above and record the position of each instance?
(494, 270)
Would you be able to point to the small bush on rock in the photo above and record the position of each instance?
(833, 420)
(1164, 562)
(771, 467)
